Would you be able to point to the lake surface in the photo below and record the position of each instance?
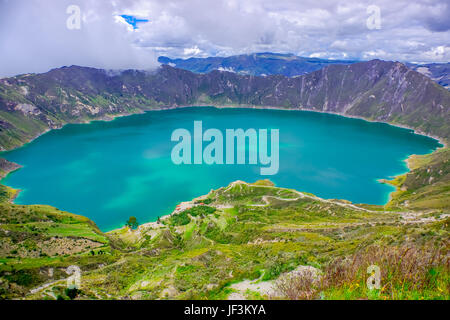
(109, 171)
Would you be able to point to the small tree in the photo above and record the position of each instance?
(72, 293)
(132, 223)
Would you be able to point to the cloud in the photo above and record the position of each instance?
(34, 37)
(438, 17)
(329, 29)
(194, 51)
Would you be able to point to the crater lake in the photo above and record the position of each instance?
(109, 171)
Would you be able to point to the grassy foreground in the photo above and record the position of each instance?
(252, 241)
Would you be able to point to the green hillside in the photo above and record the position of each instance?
(244, 243)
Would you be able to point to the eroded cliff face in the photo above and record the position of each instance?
(376, 90)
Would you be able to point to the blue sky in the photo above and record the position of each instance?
(133, 21)
(34, 36)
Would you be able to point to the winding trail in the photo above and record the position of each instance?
(300, 196)
(407, 216)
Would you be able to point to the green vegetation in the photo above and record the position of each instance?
(427, 186)
(200, 210)
(405, 273)
(183, 218)
(132, 223)
(180, 219)
(248, 233)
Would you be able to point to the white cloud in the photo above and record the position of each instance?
(33, 36)
(438, 53)
(194, 51)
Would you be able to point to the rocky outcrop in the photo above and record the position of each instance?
(7, 167)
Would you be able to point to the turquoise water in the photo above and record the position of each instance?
(109, 171)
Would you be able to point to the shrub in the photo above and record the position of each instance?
(406, 273)
(180, 219)
(299, 286)
(200, 210)
(132, 222)
(72, 293)
(402, 269)
(204, 201)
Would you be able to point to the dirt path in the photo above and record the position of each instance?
(408, 217)
(300, 194)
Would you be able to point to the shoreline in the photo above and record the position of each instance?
(416, 131)
(108, 118)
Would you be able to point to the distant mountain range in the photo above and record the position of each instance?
(376, 90)
(263, 64)
(257, 64)
(439, 72)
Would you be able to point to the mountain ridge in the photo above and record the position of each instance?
(376, 90)
(258, 64)
(290, 65)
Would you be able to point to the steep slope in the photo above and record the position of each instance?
(439, 72)
(375, 90)
(427, 185)
(265, 64)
